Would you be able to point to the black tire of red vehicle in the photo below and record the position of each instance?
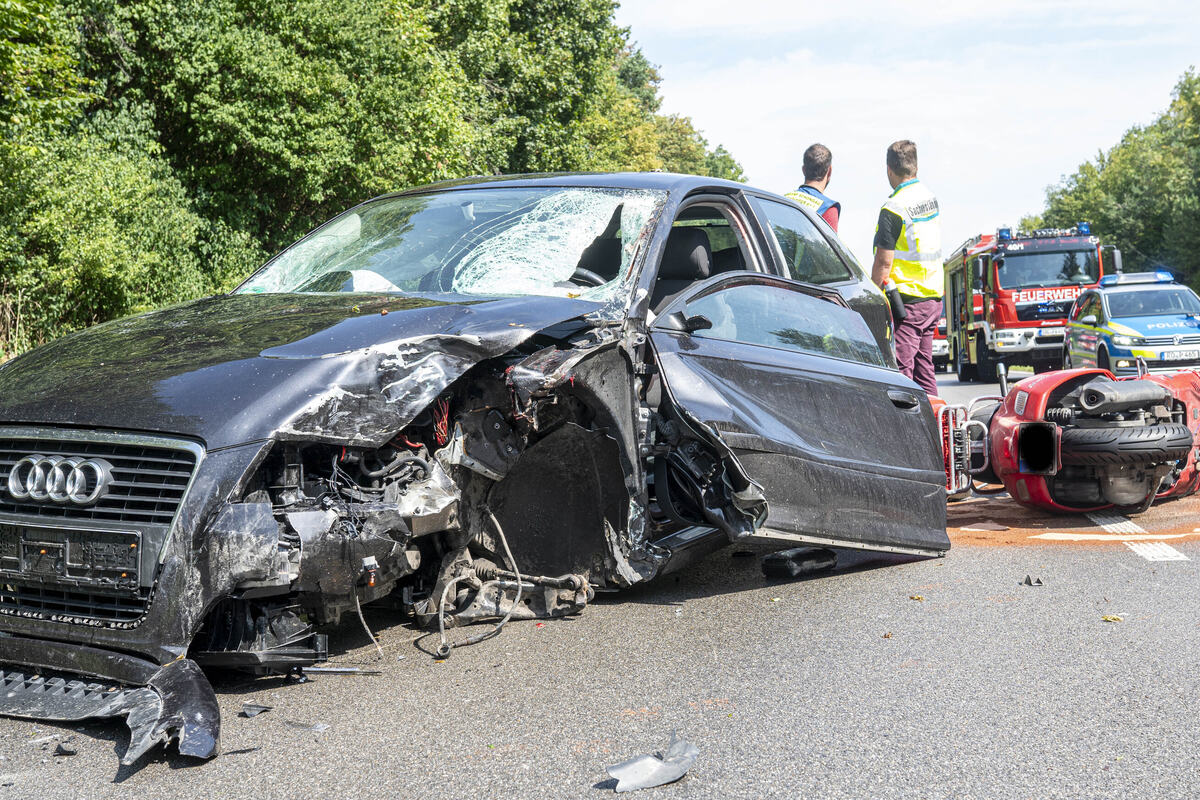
(985, 367)
(1145, 444)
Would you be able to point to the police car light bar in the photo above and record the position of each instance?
(1124, 279)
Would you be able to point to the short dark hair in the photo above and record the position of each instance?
(817, 159)
(902, 158)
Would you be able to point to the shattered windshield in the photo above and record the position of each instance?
(576, 242)
(1064, 268)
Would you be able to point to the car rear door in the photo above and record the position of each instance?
(794, 383)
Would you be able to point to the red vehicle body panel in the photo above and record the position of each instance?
(1027, 402)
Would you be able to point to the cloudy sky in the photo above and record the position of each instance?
(1002, 98)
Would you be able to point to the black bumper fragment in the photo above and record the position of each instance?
(172, 703)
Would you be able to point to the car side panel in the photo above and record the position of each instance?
(836, 457)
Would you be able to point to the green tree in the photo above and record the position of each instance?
(39, 83)
(1144, 194)
(276, 114)
(94, 231)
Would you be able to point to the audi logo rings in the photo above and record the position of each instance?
(61, 480)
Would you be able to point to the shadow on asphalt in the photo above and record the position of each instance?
(737, 569)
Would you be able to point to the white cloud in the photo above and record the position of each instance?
(997, 114)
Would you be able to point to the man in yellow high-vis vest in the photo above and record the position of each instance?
(908, 257)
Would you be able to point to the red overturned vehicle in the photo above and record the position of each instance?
(1078, 440)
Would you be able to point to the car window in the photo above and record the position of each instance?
(775, 316)
(1080, 304)
(806, 254)
(1090, 305)
(724, 242)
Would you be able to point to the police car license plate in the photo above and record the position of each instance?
(1180, 355)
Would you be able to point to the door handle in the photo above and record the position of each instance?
(905, 400)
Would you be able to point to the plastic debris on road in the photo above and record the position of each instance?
(1032, 581)
(648, 771)
(253, 709)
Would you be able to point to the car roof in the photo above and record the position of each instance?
(668, 181)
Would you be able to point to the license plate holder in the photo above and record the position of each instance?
(74, 555)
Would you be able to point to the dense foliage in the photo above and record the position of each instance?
(1143, 195)
(157, 151)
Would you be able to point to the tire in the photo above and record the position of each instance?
(1067, 358)
(964, 369)
(1145, 444)
(985, 413)
(1102, 359)
(986, 367)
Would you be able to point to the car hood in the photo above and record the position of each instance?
(340, 368)
(1158, 325)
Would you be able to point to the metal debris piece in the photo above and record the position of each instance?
(790, 564)
(1032, 581)
(253, 709)
(985, 525)
(648, 771)
(341, 671)
(65, 749)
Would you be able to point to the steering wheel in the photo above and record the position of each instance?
(587, 277)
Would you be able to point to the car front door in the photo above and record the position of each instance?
(794, 383)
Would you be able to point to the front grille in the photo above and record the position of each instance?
(1169, 341)
(74, 604)
(1048, 310)
(148, 485)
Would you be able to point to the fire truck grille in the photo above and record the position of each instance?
(1037, 311)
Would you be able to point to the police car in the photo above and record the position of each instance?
(1141, 315)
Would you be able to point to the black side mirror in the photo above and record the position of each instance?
(678, 321)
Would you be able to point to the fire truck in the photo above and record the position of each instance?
(1008, 295)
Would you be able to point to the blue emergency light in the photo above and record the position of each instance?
(1124, 279)
(1004, 234)
(1084, 228)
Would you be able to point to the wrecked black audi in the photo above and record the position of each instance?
(482, 400)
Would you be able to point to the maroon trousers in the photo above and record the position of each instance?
(914, 341)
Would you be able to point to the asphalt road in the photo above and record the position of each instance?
(943, 678)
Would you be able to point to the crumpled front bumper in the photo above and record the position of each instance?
(173, 702)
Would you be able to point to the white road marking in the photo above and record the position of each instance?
(1156, 551)
(1115, 523)
(1107, 537)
